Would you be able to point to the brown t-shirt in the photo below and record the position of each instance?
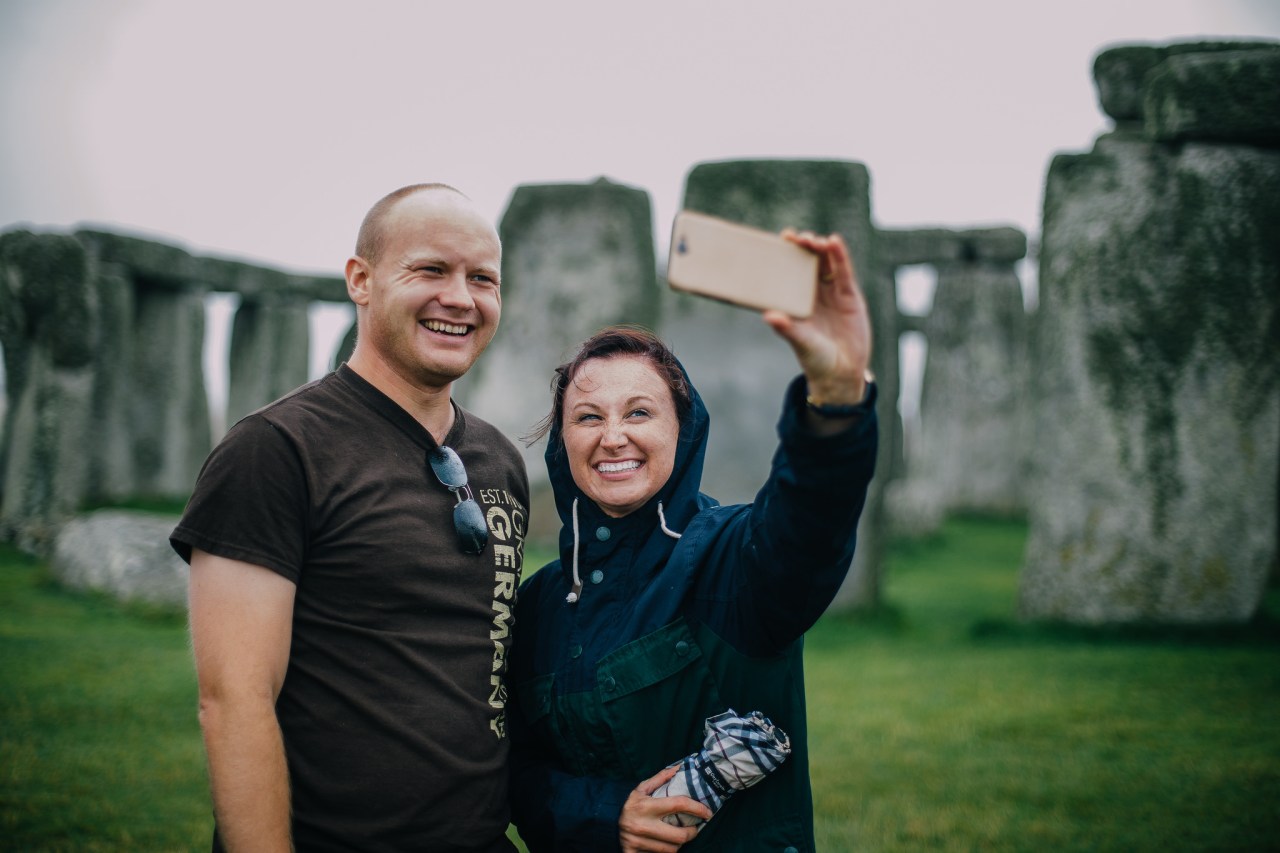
(392, 708)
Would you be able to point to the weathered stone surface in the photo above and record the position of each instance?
(169, 409)
(973, 448)
(124, 554)
(905, 247)
(1157, 363)
(741, 367)
(49, 308)
(576, 258)
(1120, 72)
(163, 266)
(1230, 96)
(269, 352)
(112, 474)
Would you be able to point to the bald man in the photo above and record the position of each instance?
(354, 551)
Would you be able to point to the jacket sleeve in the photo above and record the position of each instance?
(555, 811)
(775, 568)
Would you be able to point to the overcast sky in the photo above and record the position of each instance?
(265, 129)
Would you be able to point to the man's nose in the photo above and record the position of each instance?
(455, 292)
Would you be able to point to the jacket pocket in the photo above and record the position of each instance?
(655, 693)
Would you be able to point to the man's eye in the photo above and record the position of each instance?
(484, 277)
(431, 268)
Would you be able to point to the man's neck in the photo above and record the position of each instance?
(428, 405)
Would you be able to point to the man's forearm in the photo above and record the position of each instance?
(248, 775)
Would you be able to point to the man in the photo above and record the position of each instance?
(350, 643)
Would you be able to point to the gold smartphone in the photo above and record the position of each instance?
(740, 265)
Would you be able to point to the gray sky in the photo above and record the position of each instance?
(265, 129)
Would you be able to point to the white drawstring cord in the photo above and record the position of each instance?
(572, 597)
(576, 593)
(662, 520)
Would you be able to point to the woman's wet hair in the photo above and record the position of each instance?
(615, 342)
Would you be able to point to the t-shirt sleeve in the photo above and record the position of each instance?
(250, 501)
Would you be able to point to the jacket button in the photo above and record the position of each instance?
(603, 534)
(790, 850)
(597, 576)
(609, 684)
(575, 652)
(682, 648)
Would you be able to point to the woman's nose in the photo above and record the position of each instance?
(614, 436)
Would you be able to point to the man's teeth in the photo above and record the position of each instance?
(447, 328)
(613, 467)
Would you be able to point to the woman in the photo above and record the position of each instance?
(665, 608)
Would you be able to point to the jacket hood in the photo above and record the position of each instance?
(679, 496)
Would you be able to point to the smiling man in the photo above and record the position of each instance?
(354, 550)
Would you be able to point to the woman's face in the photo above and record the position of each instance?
(620, 431)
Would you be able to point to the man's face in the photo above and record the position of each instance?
(433, 298)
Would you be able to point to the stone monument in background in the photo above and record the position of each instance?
(972, 448)
(1157, 351)
(575, 258)
(741, 367)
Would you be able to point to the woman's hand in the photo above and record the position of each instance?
(833, 345)
(641, 826)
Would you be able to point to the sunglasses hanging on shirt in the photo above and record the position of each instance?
(468, 518)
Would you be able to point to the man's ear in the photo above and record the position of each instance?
(358, 275)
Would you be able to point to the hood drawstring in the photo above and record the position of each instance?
(576, 592)
(572, 597)
(662, 520)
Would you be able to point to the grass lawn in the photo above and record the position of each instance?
(941, 724)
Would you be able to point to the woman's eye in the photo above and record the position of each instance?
(585, 418)
(639, 413)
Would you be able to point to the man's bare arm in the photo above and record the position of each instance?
(241, 625)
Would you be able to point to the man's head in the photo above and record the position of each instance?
(426, 283)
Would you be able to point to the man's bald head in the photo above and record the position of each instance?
(372, 237)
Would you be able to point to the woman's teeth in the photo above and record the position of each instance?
(614, 467)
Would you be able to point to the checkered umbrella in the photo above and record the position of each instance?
(737, 753)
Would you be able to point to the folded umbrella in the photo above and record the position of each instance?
(736, 753)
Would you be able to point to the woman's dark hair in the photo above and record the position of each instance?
(613, 342)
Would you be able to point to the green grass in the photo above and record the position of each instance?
(939, 724)
(944, 725)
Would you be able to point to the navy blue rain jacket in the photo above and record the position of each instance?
(668, 631)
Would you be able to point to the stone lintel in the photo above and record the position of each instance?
(903, 247)
(1120, 72)
(167, 266)
(1229, 96)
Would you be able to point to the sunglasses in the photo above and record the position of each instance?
(468, 518)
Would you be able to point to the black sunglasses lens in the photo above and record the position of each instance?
(448, 467)
(468, 520)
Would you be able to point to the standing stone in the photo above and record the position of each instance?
(112, 472)
(1157, 359)
(575, 258)
(741, 367)
(269, 352)
(48, 308)
(972, 451)
(170, 412)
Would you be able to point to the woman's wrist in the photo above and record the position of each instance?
(833, 398)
